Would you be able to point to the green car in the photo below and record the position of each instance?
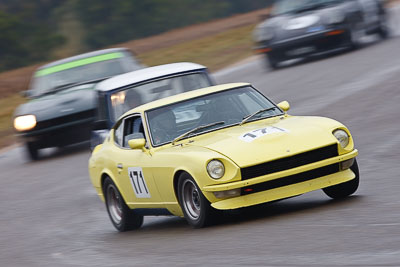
(62, 102)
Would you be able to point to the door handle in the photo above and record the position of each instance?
(120, 166)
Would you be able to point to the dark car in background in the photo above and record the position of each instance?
(303, 28)
(124, 92)
(63, 103)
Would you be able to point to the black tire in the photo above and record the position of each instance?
(272, 62)
(383, 30)
(196, 208)
(121, 216)
(32, 150)
(354, 37)
(345, 189)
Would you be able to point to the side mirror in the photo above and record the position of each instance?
(137, 143)
(284, 105)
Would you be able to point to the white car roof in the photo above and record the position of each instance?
(146, 74)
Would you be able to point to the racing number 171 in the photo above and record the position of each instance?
(138, 182)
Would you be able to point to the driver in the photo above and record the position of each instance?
(164, 129)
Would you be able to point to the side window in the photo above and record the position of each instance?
(118, 133)
(133, 129)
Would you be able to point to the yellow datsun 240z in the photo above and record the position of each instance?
(218, 148)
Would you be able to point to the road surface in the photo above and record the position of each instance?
(51, 216)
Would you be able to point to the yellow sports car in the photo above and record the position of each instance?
(219, 148)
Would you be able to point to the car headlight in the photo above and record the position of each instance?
(335, 17)
(216, 169)
(342, 137)
(24, 123)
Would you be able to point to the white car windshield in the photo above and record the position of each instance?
(133, 96)
(207, 113)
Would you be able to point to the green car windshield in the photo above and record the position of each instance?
(208, 113)
(51, 79)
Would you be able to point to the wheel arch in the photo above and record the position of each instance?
(177, 174)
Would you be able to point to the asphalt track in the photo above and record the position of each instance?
(51, 216)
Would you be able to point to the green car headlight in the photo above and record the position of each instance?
(215, 169)
(342, 137)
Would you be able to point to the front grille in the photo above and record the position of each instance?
(289, 162)
(87, 114)
(292, 179)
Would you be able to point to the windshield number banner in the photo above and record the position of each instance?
(253, 135)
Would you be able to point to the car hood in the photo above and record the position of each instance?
(63, 103)
(269, 139)
(300, 23)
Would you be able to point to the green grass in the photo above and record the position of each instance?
(215, 51)
(8, 105)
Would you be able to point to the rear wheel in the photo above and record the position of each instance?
(345, 189)
(32, 150)
(196, 208)
(121, 216)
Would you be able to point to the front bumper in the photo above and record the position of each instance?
(61, 131)
(309, 44)
(286, 190)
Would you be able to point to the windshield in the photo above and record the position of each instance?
(88, 69)
(289, 6)
(207, 113)
(132, 97)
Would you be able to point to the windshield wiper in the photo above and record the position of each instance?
(195, 130)
(57, 89)
(245, 119)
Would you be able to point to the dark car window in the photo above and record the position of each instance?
(118, 133)
(133, 129)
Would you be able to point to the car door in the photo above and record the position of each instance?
(133, 166)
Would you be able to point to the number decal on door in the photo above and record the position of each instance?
(138, 182)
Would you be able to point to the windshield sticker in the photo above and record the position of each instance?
(138, 182)
(253, 135)
(78, 63)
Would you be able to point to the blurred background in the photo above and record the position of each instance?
(51, 215)
(34, 32)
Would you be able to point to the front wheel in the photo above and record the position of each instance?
(121, 216)
(272, 62)
(383, 30)
(355, 35)
(344, 189)
(196, 208)
(32, 150)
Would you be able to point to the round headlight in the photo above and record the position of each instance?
(24, 123)
(342, 137)
(215, 169)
